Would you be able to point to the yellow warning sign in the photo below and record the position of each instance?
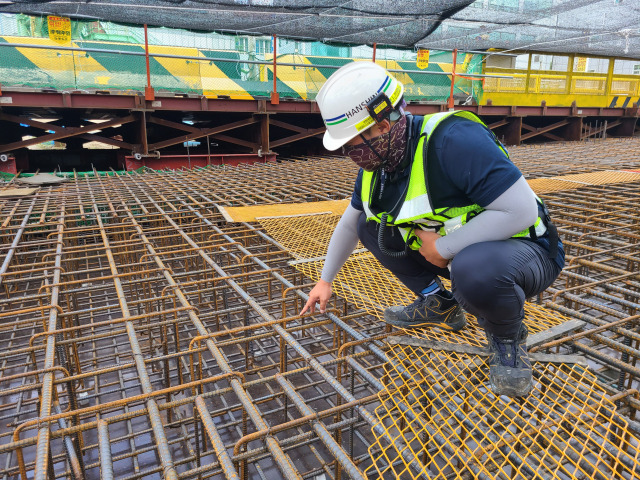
(423, 58)
(581, 64)
(59, 29)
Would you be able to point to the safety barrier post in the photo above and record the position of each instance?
(453, 77)
(568, 89)
(275, 98)
(607, 87)
(374, 52)
(149, 94)
(528, 78)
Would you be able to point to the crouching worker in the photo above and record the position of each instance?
(437, 196)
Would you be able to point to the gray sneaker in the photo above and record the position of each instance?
(510, 370)
(438, 309)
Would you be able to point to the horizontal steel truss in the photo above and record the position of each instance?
(511, 123)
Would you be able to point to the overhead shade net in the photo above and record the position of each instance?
(603, 27)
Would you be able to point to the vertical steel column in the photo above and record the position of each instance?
(148, 90)
(513, 131)
(264, 135)
(275, 98)
(142, 118)
(453, 77)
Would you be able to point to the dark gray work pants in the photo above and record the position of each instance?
(490, 280)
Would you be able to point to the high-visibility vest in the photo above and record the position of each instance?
(416, 210)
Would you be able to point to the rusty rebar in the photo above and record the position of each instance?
(131, 303)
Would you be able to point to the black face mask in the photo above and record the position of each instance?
(386, 150)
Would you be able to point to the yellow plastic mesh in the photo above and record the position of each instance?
(363, 282)
(441, 413)
(303, 236)
(548, 185)
(304, 229)
(602, 178)
(571, 182)
(256, 212)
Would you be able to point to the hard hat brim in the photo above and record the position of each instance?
(331, 143)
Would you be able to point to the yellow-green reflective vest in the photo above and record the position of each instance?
(417, 209)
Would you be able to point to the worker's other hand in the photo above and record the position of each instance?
(428, 249)
(321, 294)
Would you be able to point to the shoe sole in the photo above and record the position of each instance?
(510, 391)
(510, 383)
(459, 324)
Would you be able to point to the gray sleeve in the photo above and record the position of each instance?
(510, 213)
(343, 241)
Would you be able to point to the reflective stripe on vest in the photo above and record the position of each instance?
(416, 208)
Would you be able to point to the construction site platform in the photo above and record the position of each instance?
(150, 328)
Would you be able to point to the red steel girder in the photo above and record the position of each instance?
(115, 101)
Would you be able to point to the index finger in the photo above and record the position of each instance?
(310, 305)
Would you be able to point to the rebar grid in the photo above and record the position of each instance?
(568, 158)
(126, 302)
(145, 337)
(601, 283)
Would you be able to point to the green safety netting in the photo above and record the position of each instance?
(606, 27)
(104, 56)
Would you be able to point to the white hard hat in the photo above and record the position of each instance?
(343, 98)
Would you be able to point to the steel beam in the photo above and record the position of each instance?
(116, 101)
(513, 131)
